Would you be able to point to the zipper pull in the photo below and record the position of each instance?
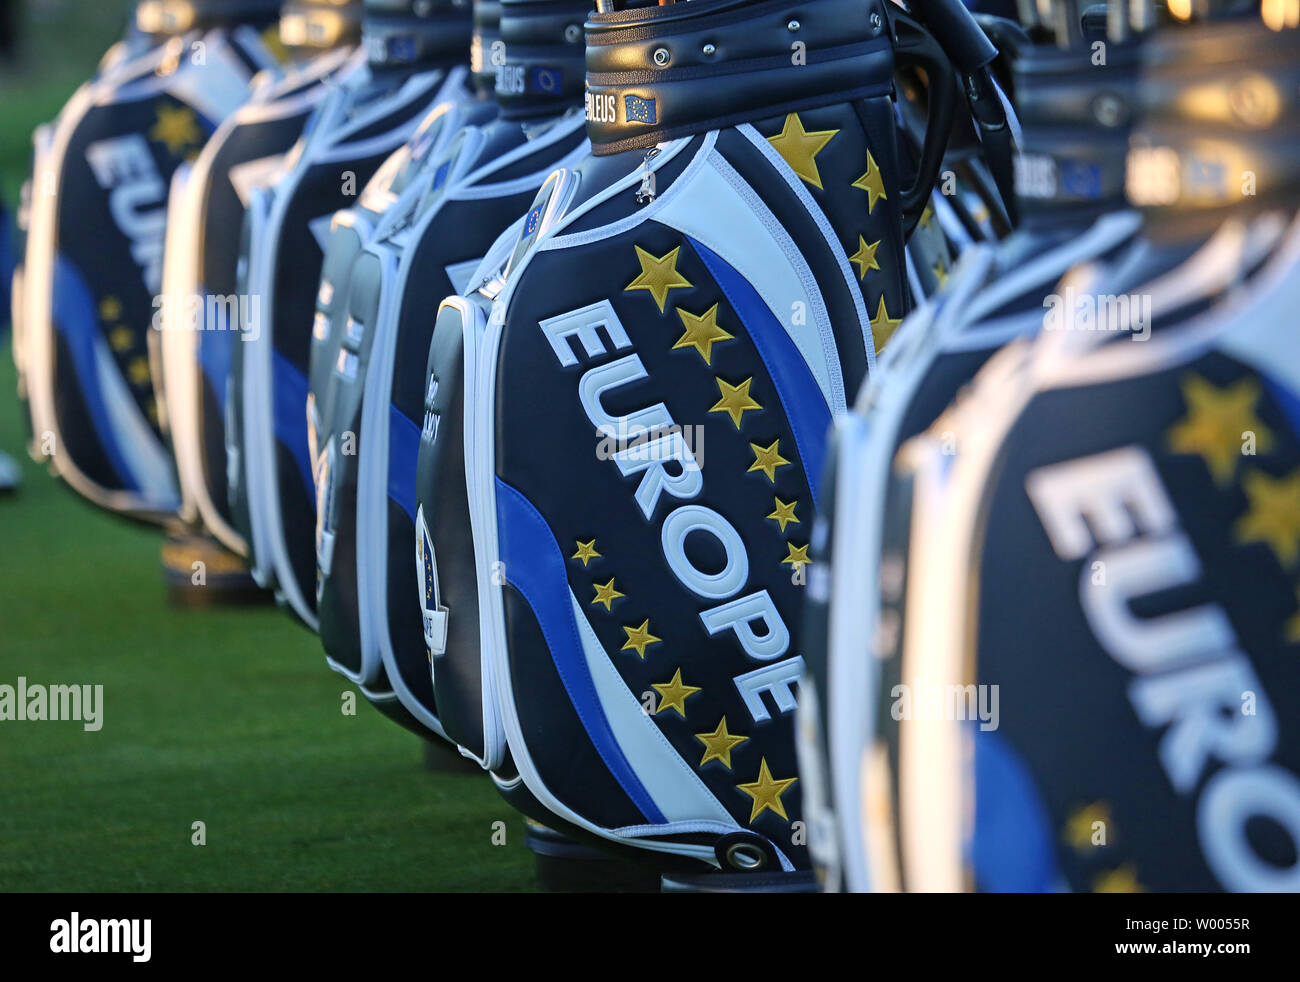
(646, 192)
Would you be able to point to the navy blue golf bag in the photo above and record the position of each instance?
(339, 341)
(1068, 618)
(1072, 209)
(376, 107)
(92, 270)
(483, 175)
(204, 314)
(647, 380)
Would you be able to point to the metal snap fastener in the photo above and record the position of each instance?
(709, 49)
(573, 33)
(875, 22)
(793, 26)
(1108, 109)
(661, 56)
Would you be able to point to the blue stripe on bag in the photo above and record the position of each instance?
(403, 454)
(801, 397)
(534, 565)
(76, 317)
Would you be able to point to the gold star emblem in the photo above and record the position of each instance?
(940, 273)
(138, 369)
(873, 183)
(586, 551)
(1079, 831)
(658, 275)
(1293, 625)
(767, 459)
(673, 694)
(799, 148)
(865, 257)
(120, 338)
(784, 513)
(882, 325)
(1274, 515)
(735, 400)
(638, 638)
(607, 594)
(702, 332)
(719, 744)
(176, 127)
(1122, 880)
(110, 309)
(798, 556)
(1216, 423)
(767, 792)
(926, 216)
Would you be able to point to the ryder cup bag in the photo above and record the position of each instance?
(483, 178)
(203, 314)
(93, 266)
(649, 400)
(1073, 211)
(1088, 605)
(374, 110)
(403, 181)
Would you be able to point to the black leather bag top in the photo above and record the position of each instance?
(402, 33)
(309, 25)
(539, 64)
(170, 17)
(659, 73)
(485, 39)
(1220, 109)
(1075, 116)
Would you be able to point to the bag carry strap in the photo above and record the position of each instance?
(973, 53)
(914, 46)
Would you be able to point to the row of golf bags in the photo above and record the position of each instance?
(604, 387)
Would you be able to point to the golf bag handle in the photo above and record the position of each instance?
(973, 52)
(1007, 36)
(915, 46)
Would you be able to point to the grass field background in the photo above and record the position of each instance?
(229, 717)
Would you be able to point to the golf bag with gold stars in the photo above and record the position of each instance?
(409, 63)
(93, 265)
(203, 312)
(994, 297)
(1076, 653)
(647, 382)
(368, 372)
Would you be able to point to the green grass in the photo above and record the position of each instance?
(229, 717)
